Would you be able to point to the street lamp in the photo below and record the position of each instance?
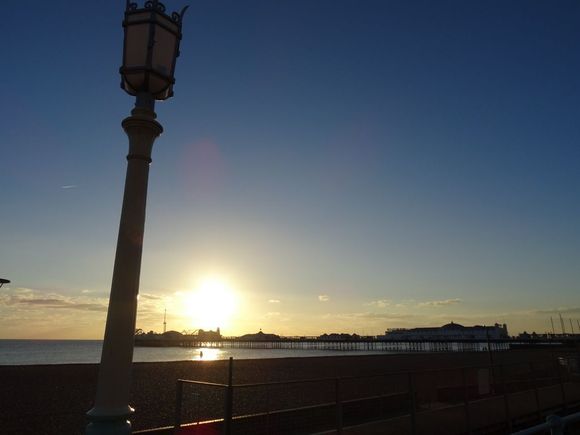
(4, 281)
(151, 46)
(150, 50)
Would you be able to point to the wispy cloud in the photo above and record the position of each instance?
(63, 303)
(273, 301)
(150, 297)
(440, 303)
(23, 297)
(409, 303)
(69, 186)
(371, 315)
(277, 317)
(323, 298)
(381, 303)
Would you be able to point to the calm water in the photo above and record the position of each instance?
(32, 352)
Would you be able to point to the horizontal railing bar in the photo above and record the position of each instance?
(317, 405)
(346, 378)
(292, 382)
(552, 422)
(211, 384)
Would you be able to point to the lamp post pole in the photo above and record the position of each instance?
(111, 410)
(150, 50)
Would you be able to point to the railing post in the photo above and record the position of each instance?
(505, 398)
(229, 400)
(536, 393)
(197, 408)
(466, 400)
(413, 404)
(338, 406)
(556, 425)
(492, 380)
(562, 387)
(268, 408)
(178, 404)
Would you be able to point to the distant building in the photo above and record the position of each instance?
(260, 336)
(209, 335)
(200, 335)
(450, 331)
(172, 335)
(534, 336)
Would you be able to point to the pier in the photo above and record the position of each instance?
(363, 344)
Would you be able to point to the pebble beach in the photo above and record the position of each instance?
(53, 399)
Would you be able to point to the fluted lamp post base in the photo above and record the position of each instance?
(109, 424)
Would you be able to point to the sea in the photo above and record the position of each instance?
(41, 352)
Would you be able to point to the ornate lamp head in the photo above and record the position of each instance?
(150, 49)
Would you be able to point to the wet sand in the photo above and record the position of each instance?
(53, 399)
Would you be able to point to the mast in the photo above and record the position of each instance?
(165, 321)
(562, 323)
(553, 330)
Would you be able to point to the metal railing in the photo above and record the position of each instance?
(554, 423)
(458, 400)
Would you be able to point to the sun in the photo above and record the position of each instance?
(211, 304)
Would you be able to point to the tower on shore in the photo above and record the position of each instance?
(165, 321)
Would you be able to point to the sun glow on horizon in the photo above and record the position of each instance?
(211, 305)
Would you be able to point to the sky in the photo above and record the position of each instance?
(326, 166)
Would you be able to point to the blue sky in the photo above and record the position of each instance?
(342, 166)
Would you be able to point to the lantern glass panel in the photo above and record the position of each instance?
(163, 51)
(136, 45)
(136, 39)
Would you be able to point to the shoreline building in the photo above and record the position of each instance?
(450, 331)
(260, 336)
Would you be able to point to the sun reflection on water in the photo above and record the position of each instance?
(206, 354)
